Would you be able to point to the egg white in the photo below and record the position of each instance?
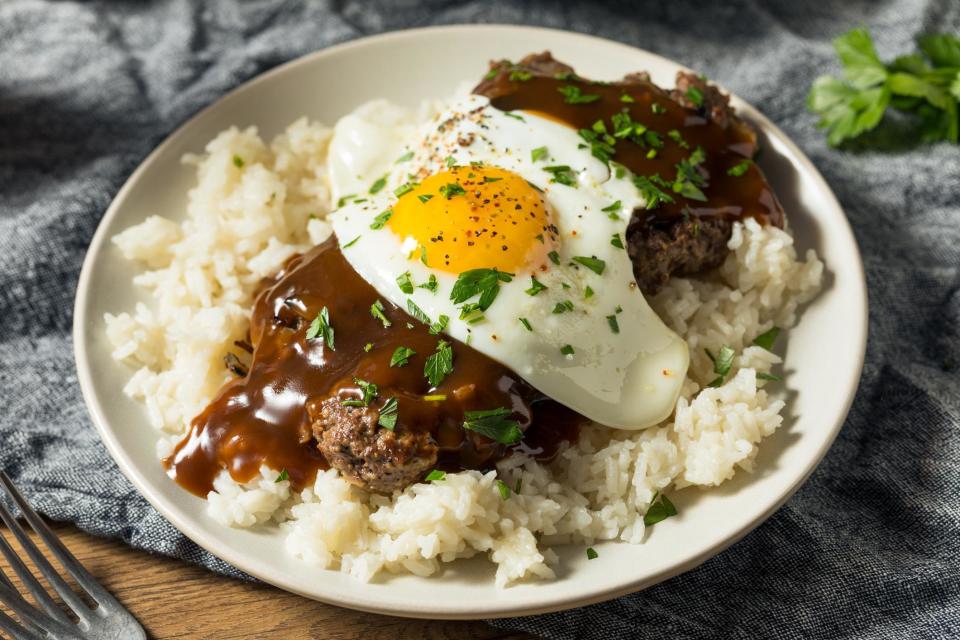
(629, 379)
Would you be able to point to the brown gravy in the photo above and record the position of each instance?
(730, 196)
(264, 418)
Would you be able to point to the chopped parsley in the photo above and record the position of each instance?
(436, 476)
(435, 397)
(378, 184)
(526, 324)
(404, 189)
(659, 510)
(452, 189)
(283, 476)
(417, 312)
(594, 264)
(563, 307)
(562, 174)
(440, 364)
(554, 257)
(430, 285)
(494, 424)
(722, 363)
(535, 286)
(367, 347)
(237, 162)
(321, 328)
(479, 282)
(592, 554)
(695, 96)
(587, 292)
(573, 95)
(612, 210)
(614, 325)
(389, 413)
(677, 137)
(471, 313)
(351, 243)
(689, 179)
(652, 194)
(381, 219)
(626, 98)
(658, 108)
(401, 355)
(345, 199)
(439, 325)
(600, 142)
(616, 241)
(450, 161)
(513, 115)
(503, 489)
(404, 282)
(405, 157)
(767, 338)
(489, 179)
(538, 154)
(425, 197)
(769, 376)
(377, 311)
(368, 390)
(567, 350)
(520, 75)
(740, 168)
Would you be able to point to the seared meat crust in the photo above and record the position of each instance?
(683, 247)
(368, 456)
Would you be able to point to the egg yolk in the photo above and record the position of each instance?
(472, 217)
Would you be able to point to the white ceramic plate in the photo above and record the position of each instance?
(824, 353)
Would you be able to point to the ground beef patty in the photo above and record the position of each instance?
(368, 456)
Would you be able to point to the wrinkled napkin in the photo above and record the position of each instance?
(868, 548)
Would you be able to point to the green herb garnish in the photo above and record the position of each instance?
(321, 327)
(503, 489)
(767, 338)
(378, 184)
(614, 325)
(283, 476)
(526, 324)
(616, 241)
(563, 307)
(566, 350)
(401, 355)
(695, 96)
(494, 424)
(237, 161)
(377, 311)
(389, 413)
(554, 257)
(452, 189)
(417, 312)
(538, 154)
(593, 263)
(535, 286)
(435, 476)
(404, 189)
(573, 95)
(659, 510)
(740, 168)
(381, 219)
(924, 85)
(479, 282)
(404, 282)
(591, 554)
(439, 325)
(440, 364)
(430, 285)
(351, 243)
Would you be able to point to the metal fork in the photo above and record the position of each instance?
(108, 621)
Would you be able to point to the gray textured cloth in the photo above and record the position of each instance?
(868, 548)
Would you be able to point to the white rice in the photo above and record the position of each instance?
(242, 222)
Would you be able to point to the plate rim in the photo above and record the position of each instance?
(499, 608)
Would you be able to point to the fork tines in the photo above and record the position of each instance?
(107, 621)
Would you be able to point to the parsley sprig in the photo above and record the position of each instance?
(924, 85)
(494, 424)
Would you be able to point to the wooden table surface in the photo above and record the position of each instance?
(173, 599)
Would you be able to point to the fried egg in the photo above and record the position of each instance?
(501, 230)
